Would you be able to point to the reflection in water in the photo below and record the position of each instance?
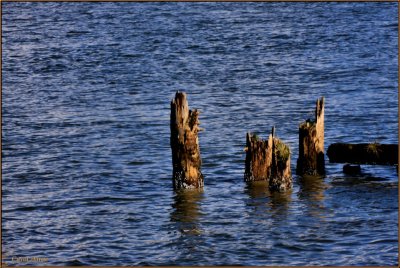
(186, 210)
(185, 218)
(312, 193)
(280, 200)
(257, 189)
(279, 205)
(275, 204)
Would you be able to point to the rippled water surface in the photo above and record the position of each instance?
(85, 129)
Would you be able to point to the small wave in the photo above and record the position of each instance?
(76, 262)
(76, 33)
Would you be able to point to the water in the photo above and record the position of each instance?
(86, 157)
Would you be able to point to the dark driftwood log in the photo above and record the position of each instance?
(311, 159)
(364, 153)
(268, 160)
(186, 160)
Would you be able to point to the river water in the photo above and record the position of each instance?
(86, 162)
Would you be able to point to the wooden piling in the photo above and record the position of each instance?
(311, 159)
(268, 160)
(186, 159)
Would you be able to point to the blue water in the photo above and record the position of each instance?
(86, 162)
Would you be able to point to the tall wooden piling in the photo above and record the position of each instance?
(186, 160)
(268, 160)
(311, 159)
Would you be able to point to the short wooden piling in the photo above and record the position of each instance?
(311, 159)
(186, 159)
(268, 160)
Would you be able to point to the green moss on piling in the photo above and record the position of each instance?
(283, 152)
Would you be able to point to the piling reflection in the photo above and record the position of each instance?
(271, 204)
(186, 210)
(279, 203)
(312, 193)
(257, 189)
(280, 200)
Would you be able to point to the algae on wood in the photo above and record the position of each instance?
(311, 159)
(186, 160)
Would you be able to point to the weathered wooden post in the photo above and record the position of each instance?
(268, 160)
(311, 159)
(186, 160)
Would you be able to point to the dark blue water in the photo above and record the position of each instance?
(86, 162)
